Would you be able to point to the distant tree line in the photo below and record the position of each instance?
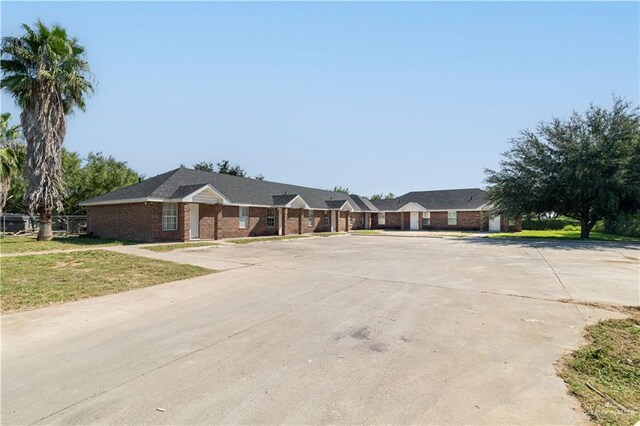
(224, 167)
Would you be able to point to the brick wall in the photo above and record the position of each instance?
(229, 226)
(122, 221)
(318, 222)
(207, 221)
(504, 224)
(392, 221)
(374, 220)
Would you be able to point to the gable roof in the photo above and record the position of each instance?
(448, 199)
(363, 203)
(237, 190)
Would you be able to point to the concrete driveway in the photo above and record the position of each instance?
(350, 329)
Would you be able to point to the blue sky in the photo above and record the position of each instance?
(378, 97)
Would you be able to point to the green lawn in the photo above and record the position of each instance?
(604, 374)
(10, 244)
(177, 246)
(33, 281)
(262, 239)
(366, 232)
(563, 235)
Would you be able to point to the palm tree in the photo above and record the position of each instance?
(9, 155)
(46, 73)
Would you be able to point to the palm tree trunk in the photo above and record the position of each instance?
(45, 231)
(5, 184)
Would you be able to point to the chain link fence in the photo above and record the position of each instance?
(24, 224)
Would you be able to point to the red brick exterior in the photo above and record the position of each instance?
(143, 222)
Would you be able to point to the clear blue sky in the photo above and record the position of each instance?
(378, 97)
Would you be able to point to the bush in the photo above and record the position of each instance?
(629, 226)
(571, 228)
(548, 224)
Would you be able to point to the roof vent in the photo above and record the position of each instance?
(470, 198)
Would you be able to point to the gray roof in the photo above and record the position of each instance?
(238, 190)
(363, 203)
(448, 199)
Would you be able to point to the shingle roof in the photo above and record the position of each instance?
(238, 190)
(363, 203)
(448, 199)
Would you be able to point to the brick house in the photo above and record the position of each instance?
(452, 209)
(185, 204)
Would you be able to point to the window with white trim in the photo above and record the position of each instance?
(310, 218)
(326, 218)
(426, 219)
(381, 218)
(452, 217)
(244, 217)
(169, 216)
(350, 219)
(271, 217)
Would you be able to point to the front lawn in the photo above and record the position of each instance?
(11, 244)
(33, 281)
(562, 235)
(263, 239)
(604, 374)
(177, 246)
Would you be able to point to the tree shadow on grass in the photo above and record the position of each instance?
(559, 244)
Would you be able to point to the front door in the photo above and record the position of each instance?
(333, 221)
(194, 222)
(494, 224)
(279, 221)
(413, 223)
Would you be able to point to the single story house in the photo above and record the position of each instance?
(185, 204)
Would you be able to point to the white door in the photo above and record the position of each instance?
(494, 224)
(279, 221)
(413, 223)
(194, 222)
(333, 221)
(366, 221)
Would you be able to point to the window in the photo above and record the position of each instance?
(381, 218)
(512, 222)
(350, 219)
(310, 219)
(426, 219)
(326, 219)
(169, 216)
(271, 217)
(244, 217)
(452, 217)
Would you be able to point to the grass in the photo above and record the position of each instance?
(33, 281)
(366, 231)
(10, 244)
(604, 374)
(177, 246)
(563, 235)
(274, 238)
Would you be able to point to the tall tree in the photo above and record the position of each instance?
(46, 73)
(381, 196)
(343, 189)
(203, 166)
(99, 175)
(10, 153)
(225, 168)
(586, 167)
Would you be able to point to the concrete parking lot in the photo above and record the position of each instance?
(348, 329)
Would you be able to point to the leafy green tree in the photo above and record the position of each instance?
(46, 73)
(343, 189)
(586, 167)
(204, 166)
(259, 176)
(381, 196)
(225, 168)
(99, 175)
(11, 151)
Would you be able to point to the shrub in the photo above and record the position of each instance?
(571, 228)
(548, 224)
